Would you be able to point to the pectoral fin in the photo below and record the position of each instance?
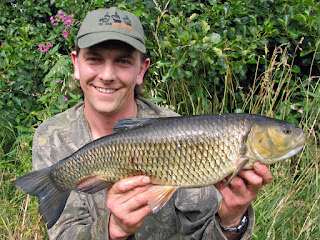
(93, 184)
(240, 166)
(159, 196)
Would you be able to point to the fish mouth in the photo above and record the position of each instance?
(301, 140)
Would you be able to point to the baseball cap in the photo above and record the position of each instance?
(111, 24)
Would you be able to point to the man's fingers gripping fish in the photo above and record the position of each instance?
(176, 152)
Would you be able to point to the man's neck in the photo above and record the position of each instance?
(102, 124)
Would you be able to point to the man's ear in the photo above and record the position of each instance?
(75, 60)
(144, 67)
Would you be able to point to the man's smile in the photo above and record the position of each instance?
(104, 90)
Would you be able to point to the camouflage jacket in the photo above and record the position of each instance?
(190, 214)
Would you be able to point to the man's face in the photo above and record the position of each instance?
(108, 74)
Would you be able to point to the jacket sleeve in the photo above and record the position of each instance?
(214, 228)
(197, 208)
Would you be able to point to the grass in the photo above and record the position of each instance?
(289, 207)
(286, 209)
(19, 218)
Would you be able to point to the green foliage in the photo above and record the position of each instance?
(207, 57)
(198, 49)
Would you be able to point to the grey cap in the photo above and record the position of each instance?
(111, 24)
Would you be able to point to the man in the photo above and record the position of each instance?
(110, 64)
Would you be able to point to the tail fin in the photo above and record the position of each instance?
(50, 197)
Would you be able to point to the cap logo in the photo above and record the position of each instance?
(115, 20)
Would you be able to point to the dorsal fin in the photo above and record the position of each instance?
(130, 123)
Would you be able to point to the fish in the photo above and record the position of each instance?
(175, 152)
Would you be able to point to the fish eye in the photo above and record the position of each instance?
(286, 130)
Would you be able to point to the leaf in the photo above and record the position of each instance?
(156, 99)
(215, 38)
(122, 7)
(296, 69)
(6, 62)
(217, 51)
(300, 18)
(56, 68)
(184, 36)
(193, 17)
(205, 27)
(187, 74)
(206, 40)
(282, 22)
(55, 49)
(138, 12)
(293, 33)
(304, 53)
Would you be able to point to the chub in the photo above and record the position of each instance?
(176, 152)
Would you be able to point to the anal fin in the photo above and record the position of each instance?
(93, 184)
(160, 195)
(241, 165)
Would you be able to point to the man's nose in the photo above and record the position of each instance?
(107, 72)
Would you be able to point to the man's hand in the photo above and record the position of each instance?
(238, 195)
(127, 202)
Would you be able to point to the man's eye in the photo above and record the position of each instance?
(123, 61)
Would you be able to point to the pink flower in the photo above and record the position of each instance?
(53, 21)
(300, 110)
(65, 34)
(188, 19)
(70, 17)
(49, 44)
(57, 80)
(170, 12)
(65, 19)
(293, 106)
(65, 99)
(45, 49)
(61, 15)
(40, 48)
(2, 44)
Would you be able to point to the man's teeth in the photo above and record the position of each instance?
(106, 90)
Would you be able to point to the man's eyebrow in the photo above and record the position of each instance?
(91, 52)
(126, 55)
(95, 52)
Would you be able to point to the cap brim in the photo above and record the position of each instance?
(92, 39)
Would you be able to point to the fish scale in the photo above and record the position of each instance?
(175, 152)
